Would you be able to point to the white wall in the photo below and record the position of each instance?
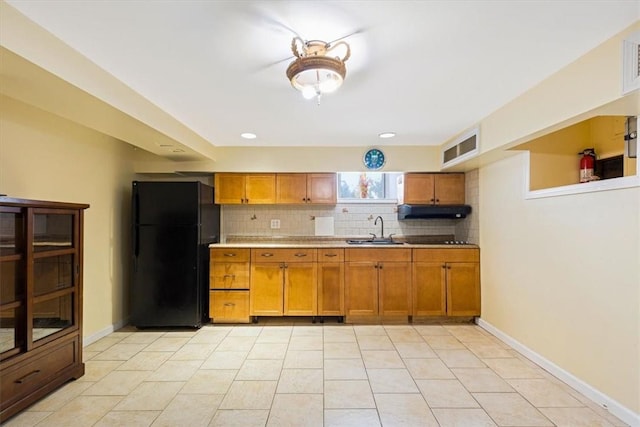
(45, 157)
(561, 274)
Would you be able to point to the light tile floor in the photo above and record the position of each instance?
(289, 372)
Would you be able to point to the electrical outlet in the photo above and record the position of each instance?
(275, 224)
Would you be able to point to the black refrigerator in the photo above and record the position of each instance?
(173, 224)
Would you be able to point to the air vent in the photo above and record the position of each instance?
(461, 149)
(631, 63)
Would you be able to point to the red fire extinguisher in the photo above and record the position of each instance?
(587, 163)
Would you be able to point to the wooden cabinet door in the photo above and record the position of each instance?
(418, 188)
(429, 289)
(463, 289)
(322, 188)
(266, 289)
(229, 188)
(291, 188)
(260, 188)
(394, 289)
(361, 289)
(331, 289)
(449, 189)
(300, 289)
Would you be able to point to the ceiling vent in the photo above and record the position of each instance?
(460, 149)
(631, 63)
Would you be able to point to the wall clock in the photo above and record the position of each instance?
(374, 159)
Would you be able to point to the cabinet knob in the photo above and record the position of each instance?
(230, 254)
(229, 304)
(266, 254)
(233, 276)
(330, 255)
(300, 254)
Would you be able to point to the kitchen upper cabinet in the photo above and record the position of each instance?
(446, 282)
(283, 282)
(302, 188)
(238, 188)
(331, 282)
(431, 189)
(378, 284)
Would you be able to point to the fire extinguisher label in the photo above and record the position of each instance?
(586, 175)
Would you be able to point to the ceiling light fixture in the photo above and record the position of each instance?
(313, 72)
(248, 135)
(385, 135)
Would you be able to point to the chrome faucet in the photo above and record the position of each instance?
(381, 226)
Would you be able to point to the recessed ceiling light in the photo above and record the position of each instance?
(385, 135)
(248, 135)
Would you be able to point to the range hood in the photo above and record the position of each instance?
(433, 211)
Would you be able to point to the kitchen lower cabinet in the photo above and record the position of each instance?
(446, 282)
(331, 282)
(229, 306)
(229, 285)
(283, 282)
(378, 284)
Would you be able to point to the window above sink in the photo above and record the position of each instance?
(367, 187)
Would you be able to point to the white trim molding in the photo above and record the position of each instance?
(611, 405)
(88, 340)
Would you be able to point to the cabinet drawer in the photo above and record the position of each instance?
(331, 255)
(446, 255)
(229, 306)
(375, 254)
(229, 275)
(229, 255)
(283, 255)
(23, 378)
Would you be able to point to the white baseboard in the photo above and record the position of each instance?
(614, 407)
(103, 333)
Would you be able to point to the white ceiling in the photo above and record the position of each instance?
(426, 70)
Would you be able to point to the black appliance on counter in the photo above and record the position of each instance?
(173, 224)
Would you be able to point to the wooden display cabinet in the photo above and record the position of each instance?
(40, 299)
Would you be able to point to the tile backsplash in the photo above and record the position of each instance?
(350, 219)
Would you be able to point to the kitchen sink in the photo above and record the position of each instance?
(376, 242)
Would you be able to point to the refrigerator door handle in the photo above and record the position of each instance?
(136, 223)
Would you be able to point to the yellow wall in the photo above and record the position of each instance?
(48, 158)
(560, 274)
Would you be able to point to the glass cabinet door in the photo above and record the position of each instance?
(55, 267)
(12, 281)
